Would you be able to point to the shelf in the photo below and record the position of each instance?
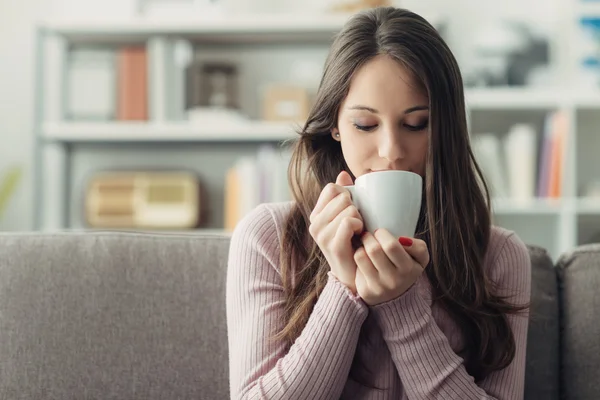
(526, 98)
(240, 28)
(526, 207)
(588, 8)
(77, 132)
(589, 99)
(588, 206)
(513, 98)
(200, 25)
(243, 29)
(192, 232)
(200, 231)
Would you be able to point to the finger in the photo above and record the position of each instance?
(323, 230)
(393, 249)
(340, 205)
(346, 226)
(377, 255)
(344, 179)
(341, 242)
(365, 266)
(330, 191)
(418, 250)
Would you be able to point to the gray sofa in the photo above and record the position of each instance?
(142, 316)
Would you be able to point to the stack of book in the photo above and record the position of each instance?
(138, 82)
(523, 165)
(255, 180)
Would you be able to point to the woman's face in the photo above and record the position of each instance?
(383, 122)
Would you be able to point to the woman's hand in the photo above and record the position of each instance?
(387, 266)
(333, 223)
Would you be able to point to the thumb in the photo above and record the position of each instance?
(344, 179)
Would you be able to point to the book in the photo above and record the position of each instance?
(545, 156)
(489, 155)
(520, 149)
(232, 199)
(91, 70)
(132, 72)
(255, 180)
(560, 131)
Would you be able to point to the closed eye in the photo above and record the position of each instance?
(366, 128)
(416, 128)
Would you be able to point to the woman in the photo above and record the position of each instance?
(319, 309)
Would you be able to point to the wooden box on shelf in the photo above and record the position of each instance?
(156, 200)
(286, 103)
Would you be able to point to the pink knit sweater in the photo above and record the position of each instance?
(411, 345)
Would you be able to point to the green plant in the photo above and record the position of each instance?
(8, 185)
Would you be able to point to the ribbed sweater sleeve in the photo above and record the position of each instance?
(316, 366)
(427, 365)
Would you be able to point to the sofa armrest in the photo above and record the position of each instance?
(579, 278)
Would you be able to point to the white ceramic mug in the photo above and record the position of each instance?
(389, 200)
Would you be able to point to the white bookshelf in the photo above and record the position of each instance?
(215, 26)
(251, 131)
(149, 231)
(194, 232)
(551, 224)
(527, 207)
(514, 99)
(588, 7)
(277, 26)
(587, 100)
(588, 206)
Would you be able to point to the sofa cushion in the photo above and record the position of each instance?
(542, 365)
(113, 316)
(579, 273)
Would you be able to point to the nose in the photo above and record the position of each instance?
(390, 146)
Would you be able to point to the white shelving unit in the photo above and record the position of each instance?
(57, 138)
(251, 131)
(552, 224)
(478, 99)
(533, 207)
(513, 99)
(587, 7)
(233, 28)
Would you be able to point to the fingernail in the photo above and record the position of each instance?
(404, 241)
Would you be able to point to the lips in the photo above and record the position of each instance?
(390, 169)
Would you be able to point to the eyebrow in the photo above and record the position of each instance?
(374, 111)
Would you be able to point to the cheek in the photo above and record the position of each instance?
(353, 150)
(419, 153)
(357, 151)
(359, 144)
(423, 145)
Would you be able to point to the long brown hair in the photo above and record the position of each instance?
(455, 217)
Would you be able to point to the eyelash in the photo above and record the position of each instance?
(412, 128)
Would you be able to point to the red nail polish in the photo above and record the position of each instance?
(363, 233)
(404, 241)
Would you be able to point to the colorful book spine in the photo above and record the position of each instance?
(132, 72)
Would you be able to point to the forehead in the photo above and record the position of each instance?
(383, 83)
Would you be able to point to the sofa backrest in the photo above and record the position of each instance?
(113, 316)
(543, 363)
(117, 315)
(579, 278)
